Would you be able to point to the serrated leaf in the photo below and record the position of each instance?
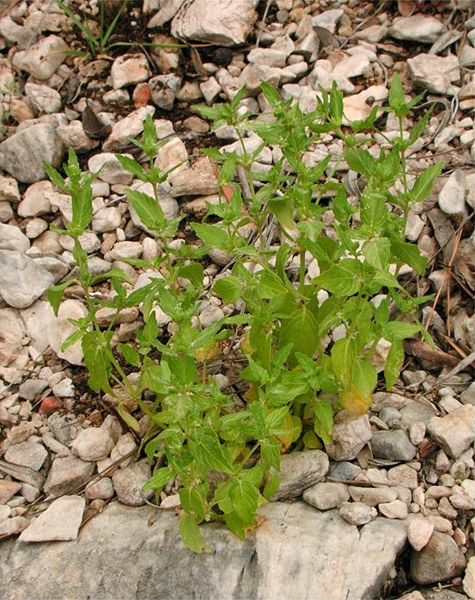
(97, 357)
(343, 359)
(323, 422)
(425, 181)
(213, 235)
(147, 208)
(410, 254)
(193, 272)
(207, 450)
(393, 365)
(228, 289)
(55, 294)
(159, 479)
(190, 534)
(360, 161)
(376, 252)
(300, 330)
(82, 210)
(396, 93)
(398, 330)
(365, 377)
(130, 354)
(72, 339)
(270, 452)
(245, 498)
(341, 279)
(131, 165)
(193, 500)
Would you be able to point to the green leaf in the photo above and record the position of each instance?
(270, 452)
(341, 279)
(323, 422)
(394, 362)
(410, 254)
(128, 418)
(55, 294)
(190, 534)
(343, 359)
(376, 253)
(272, 484)
(228, 289)
(245, 498)
(97, 357)
(207, 450)
(398, 330)
(159, 479)
(82, 210)
(147, 208)
(55, 177)
(365, 377)
(193, 272)
(214, 235)
(130, 354)
(72, 339)
(336, 105)
(425, 181)
(194, 500)
(275, 419)
(396, 95)
(373, 211)
(300, 330)
(131, 165)
(360, 161)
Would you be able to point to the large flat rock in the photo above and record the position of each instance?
(135, 553)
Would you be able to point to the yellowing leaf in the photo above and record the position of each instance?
(287, 438)
(208, 352)
(356, 402)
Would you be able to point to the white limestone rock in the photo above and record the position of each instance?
(60, 521)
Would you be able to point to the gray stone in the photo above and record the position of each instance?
(12, 238)
(22, 155)
(357, 513)
(419, 532)
(129, 69)
(328, 19)
(102, 489)
(468, 395)
(288, 556)
(106, 219)
(435, 73)
(417, 28)
(469, 578)
(392, 445)
(197, 180)
(350, 434)
(299, 471)
(14, 33)
(73, 136)
(227, 24)
(23, 474)
(67, 475)
(164, 89)
(129, 127)
(372, 496)
(42, 98)
(403, 475)
(128, 483)
(43, 58)
(454, 432)
(393, 510)
(27, 454)
(22, 281)
(13, 526)
(60, 521)
(452, 195)
(110, 169)
(439, 560)
(326, 495)
(93, 443)
(8, 489)
(59, 328)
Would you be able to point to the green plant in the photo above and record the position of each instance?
(99, 43)
(225, 449)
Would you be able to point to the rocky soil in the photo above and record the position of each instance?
(395, 490)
